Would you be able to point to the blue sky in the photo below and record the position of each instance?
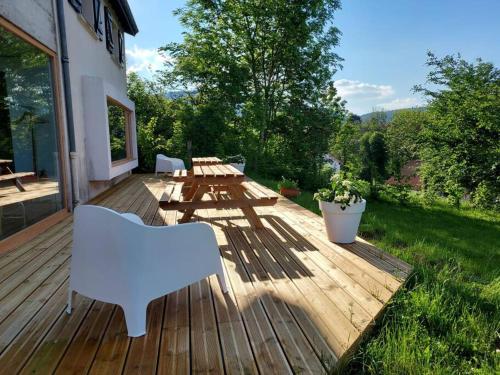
(384, 43)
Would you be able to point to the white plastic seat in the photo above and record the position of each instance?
(117, 259)
(167, 165)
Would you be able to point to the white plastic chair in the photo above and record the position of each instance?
(166, 164)
(118, 259)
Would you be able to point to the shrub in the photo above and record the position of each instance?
(398, 192)
(287, 184)
(237, 159)
(485, 196)
(454, 193)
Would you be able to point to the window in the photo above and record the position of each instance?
(77, 4)
(119, 125)
(91, 12)
(109, 25)
(30, 188)
(121, 48)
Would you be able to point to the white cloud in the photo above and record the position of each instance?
(399, 103)
(351, 89)
(145, 61)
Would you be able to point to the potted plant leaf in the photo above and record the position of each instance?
(342, 206)
(288, 188)
(237, 161)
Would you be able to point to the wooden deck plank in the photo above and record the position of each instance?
(206, 357)
(286, 310)
(82, 349)
(298, 303)
(18, 352)
(143, 352)
(265, 346)
(297, 348)
(173, 357)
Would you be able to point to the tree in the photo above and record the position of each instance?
(154, 118)
(345, 145)
(403, 138)
(373, 157)
(267, 67)
(461, 147)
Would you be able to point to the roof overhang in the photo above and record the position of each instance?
(125, 16)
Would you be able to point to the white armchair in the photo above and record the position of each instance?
(166, 164)
(118, 259)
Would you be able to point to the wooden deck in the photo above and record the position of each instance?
(297, 303)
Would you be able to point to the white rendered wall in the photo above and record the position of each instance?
(88, 57)
(35, 17)
(99, 164)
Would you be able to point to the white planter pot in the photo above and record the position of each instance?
(239, 166)
(342, 225)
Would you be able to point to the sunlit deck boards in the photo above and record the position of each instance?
(296, 301)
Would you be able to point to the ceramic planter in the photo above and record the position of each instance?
(239, 166)
(342, 225)
(289, 192)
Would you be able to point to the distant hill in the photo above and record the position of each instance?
(389, 114)
(178, 94)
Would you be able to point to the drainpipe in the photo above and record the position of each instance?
(69, 103)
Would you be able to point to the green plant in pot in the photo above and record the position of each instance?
(288, 188)
(237, 161)
(342, 206)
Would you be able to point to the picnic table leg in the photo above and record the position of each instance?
(237, 193)
(198, 195)
(191, 191)
(17, 182)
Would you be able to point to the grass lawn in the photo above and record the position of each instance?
(447, 319)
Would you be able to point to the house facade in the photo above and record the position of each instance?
(67, 127)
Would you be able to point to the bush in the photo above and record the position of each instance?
(454, 193)
(287, 184)
(485, 197)
(236, 159)
(398, 192)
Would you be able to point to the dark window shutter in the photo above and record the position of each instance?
(97, 19)
(108, 23)
(121, 47)
(77, 4)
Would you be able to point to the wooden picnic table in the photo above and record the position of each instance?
(11, 176)
(210, 160)
(222, 184)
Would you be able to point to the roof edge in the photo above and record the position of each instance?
(125, 15)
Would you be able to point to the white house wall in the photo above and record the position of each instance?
(88, 57)
(35, 17)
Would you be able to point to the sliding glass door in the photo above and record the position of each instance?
(30, 186)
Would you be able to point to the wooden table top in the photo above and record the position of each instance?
(5, 161)
(214, 171)
(206, 160)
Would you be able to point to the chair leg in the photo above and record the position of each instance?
(135, 317)
(222, 281)
(70, 297)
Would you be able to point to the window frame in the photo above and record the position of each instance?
(39, 227)
(128, 124)
(108, 26)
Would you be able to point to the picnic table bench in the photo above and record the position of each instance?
(215, 186)
(11, 176)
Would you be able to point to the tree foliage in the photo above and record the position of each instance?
(345, 144)
(262, 72)
(154, 118)
(403, 138)
(461, 141)
(373, 156)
